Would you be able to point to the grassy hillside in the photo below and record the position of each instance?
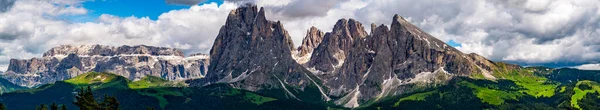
(582, 88)
(154, 82)
(517, 88)
(514, 88)
(7, 86)
(147, 92)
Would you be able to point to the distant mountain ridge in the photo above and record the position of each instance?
(132, 62)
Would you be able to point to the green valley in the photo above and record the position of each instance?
(527, 88)
(148, 92)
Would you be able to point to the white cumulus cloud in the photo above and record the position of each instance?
(30, 28)
(588, 67)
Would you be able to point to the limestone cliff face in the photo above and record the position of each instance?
(359, 68)
(133, 62)
(255, 54)
(347, 65)
(313, 38)
(332, 52)
(102, 50)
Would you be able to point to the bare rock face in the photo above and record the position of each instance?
(331, 53)
(133, 62)
(101, 50)
(349, 67)
(391, 61)
(29, 72)
(252, 53)
(313, 38)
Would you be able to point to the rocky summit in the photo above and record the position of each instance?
(313, 38)
(332, 52)
(133, 62)
(387, 62)
(347, 65)
(255, 54)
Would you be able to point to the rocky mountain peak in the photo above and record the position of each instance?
(356, 29)
(349, 29)
(254, 54)
(313, 38)
(340, 25)
(359, 67)
(247, 15)
(331, 53)
(398, 18)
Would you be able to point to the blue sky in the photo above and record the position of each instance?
(453, 43)
(126, 8)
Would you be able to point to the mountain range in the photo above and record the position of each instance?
(348, 63)
(134, 62)
(253, 63)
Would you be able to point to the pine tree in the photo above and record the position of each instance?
(2, 106)
(53, 106)
(149, 108)
(85, 100)
(63, 107)
(110, 103)
(41, 107)
(590, 102)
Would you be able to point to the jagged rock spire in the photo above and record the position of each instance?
(254, 54)
(379, 64)
(331, 53)
(313, 38)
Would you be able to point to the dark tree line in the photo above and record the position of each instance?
(54, 106)
(84, 100)
(590, 102)
(2, 106)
